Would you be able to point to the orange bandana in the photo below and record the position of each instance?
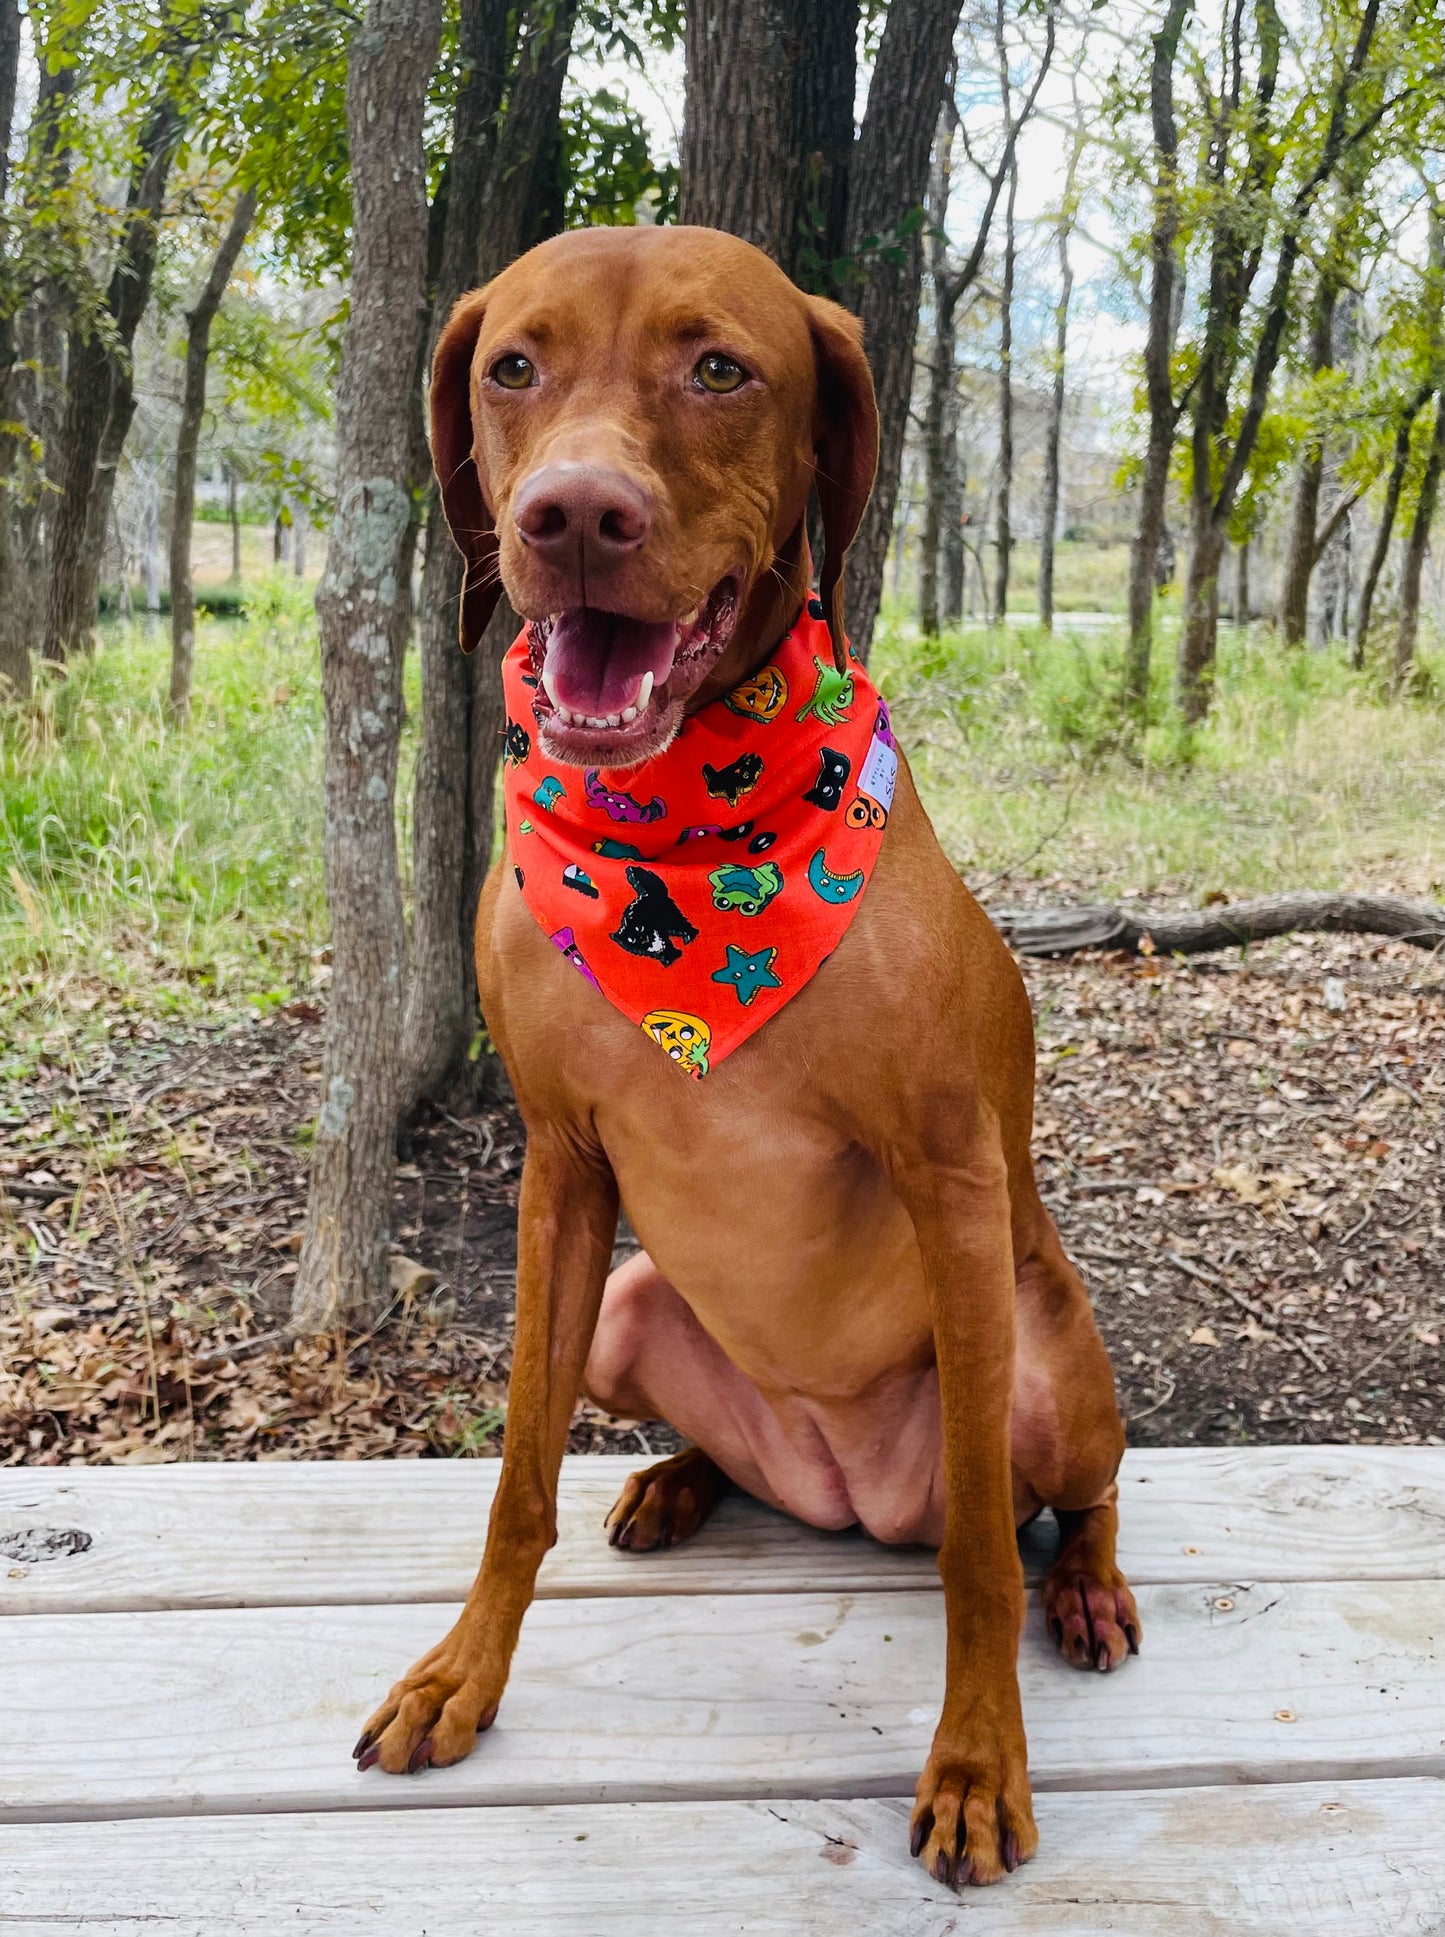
(702, 889)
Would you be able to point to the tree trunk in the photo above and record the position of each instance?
(1159, 343)
(1386, 527)
(1241, 583)
(1201, 618)
(940, 377)
(1300, 549)
(492, 195)
(1234, 257)
(188, 439)
(888, 184)
(364, 608)
(1054, 430)
(772, 82)
(101, 399)
(1415, 548)
(233, 513)
(36, 392)
(299, 520)
(14, 646)
(954, 557)
(1003, 528)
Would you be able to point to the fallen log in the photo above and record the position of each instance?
(1063, 931)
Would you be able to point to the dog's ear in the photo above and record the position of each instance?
(845, 448)
(469, 520)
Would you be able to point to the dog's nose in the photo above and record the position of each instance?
(563, 504)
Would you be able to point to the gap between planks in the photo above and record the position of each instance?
(336, 1533)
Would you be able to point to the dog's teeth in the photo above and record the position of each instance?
(547, 689)
(595, 719)
(629, 714)
(644, 693)
(614, 719)
(563, 715)
(690, 618)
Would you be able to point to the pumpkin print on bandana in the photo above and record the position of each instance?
(698, 892)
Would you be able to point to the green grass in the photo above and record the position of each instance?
(177, 873)
(142, 866)
(1305, 776)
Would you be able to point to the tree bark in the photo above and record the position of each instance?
(101, 398)
(771, 81)
(188, 439)
(888, 183)
(1300, 551)
(1241, 583)
(14, 656)
(36, 391)
(233, 512)
(1054, 429)
(954, 557)
(1415, 548)
(1003, 527)
(493, 195)
(1064, 931)
(364, 608)
(1201, 613)
(1158, 348)
(941, 377)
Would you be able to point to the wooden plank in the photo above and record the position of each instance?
(706, 1698)
(338, 1532)
(1337, 1859)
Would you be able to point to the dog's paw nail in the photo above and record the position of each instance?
(941, 1867)
(917, 1836)
(1010, 1852)
(1131, 1635)
(963, 1874)
(1101, 1659)
(362, 1745)
(1056, 1628)
(368, 1759)
(420, 1756)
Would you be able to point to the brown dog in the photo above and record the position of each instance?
(633, 420)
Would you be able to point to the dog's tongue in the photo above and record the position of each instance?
(596, 660)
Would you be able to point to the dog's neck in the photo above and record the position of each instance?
(770, 610)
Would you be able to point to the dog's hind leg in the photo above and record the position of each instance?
(1067, 1441)
(652, 1359)
(667, 1502)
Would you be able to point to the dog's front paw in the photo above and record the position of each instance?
(434, 1713)
(973, 1821)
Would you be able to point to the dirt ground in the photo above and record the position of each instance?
(1243, 1156)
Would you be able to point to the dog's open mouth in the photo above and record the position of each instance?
(611, 689)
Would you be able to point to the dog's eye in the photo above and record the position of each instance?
(719, 373)
(513, 373)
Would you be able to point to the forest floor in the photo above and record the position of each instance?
(1242, 1152)
(1243, 1156)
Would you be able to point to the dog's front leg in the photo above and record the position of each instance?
(973, 1820)
(566, 1222)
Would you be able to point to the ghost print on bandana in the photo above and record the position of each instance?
(698, 892)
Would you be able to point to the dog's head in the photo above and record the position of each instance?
(626, 426)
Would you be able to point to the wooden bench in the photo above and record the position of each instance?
(722, 1738)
